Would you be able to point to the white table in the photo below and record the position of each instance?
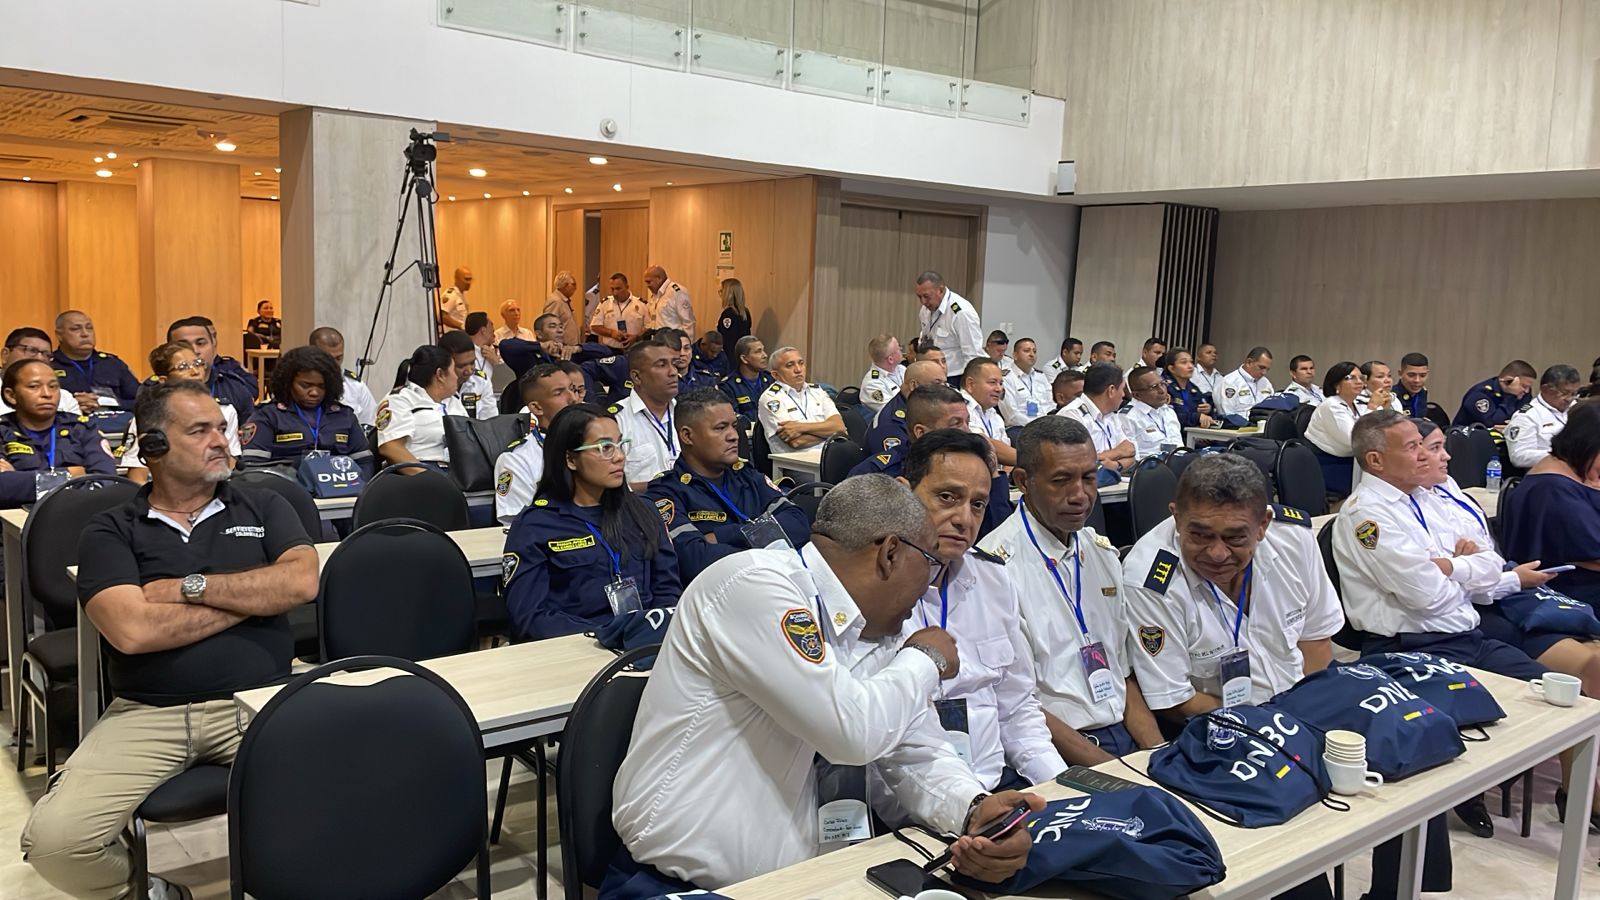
(256, 359)
(801, 465)
(1193, 437)
(1265, 861)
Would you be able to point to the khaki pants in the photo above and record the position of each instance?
(72, 838)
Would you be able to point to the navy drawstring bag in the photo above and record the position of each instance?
(1448, 685)
(1405, 733)
(1137, 844)
(1254, 766)
(636, 628)
(1548, 611)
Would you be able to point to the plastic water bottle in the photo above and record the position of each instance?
(1492, 473)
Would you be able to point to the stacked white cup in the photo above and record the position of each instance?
(1344, 753)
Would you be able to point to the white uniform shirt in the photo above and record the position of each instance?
(671, 307)
(1305, 393)
(1459, 517)
(1049, 626)
(412, 415)
(717, 786)
(516, 476)
(1240, 393)
(1329, 428)
(1056, 366)
(559, 306)
(1180, 629)
(653, 446)
(987, 422)
(1383, 545)
(1364, 402)
(1206, 382)
(359, 399)
(880, 385)
(1154, 430)
(1027, 395)
(67, 404)
(504, 333)
(1004, 720)
(631, 313)
(953, 327)
(130, 449)
(781, 403)
(1108, 429)
(1530, 430)
(452, 303)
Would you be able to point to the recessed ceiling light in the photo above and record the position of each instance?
(567, 190)
(616, 187)
(273, 197)
(477, 173)
(103, 173)
(27, 178)
(452, 198)
(226, 146)
(278, 169)
(486, 195)
(598, 160)
(111, 154)
(99, 159)
(258, 174)
(136, 165)
(526, 194)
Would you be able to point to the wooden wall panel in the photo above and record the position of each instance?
(506, 244)
(29, 284)
(569, 257)
(1472, 285)
(625, 246)
(1114, 294)
(99, 266)
(260, 260)
(189, 257)
(873, 295)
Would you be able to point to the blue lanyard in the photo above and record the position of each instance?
(39, 436)
(1417, 511)
(537, 435)
(1077, 572)
(316, 430)
(616, 561)
(726, 500)
(1238, 615)
(933, 321)
(1155, 418)
(944, 603)
(664, 431)
(983, 417)
(800, 404)
(88, 373)
(1476, 515)
(1251, 384)
(822, 611)
(1104, 429)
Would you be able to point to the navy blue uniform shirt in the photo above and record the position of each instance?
(888, 430)
(1415, 405)
(100, 370)
(887, 463)
(1486, 403)
(715, 366)
(692, 509)
(277, 434)
(1185, 401)
(744, 392)
(69, 441)
(231, 384)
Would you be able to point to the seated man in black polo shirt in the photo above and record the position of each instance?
(188, 582)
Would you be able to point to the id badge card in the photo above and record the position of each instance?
(48, 480)
(764, 531)
(317, 454)
(107, 396)
(623, 595)
(1033, 407)
(953, 719)
(1233, 671)
(1097, 669)
(622, 325)
(842, 813)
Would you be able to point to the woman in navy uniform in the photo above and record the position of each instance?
(587, 546)
(1192, 405)
(35, 438)
(305, 415)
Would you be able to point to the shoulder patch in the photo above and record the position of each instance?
(1152, 638)
(1103, 542)
(801, 631)
(986, 556)
(508, 568)
(1482, 405)
(738, 464)
(384, 416)
(685, 478)
(1290, 514)
(889, 443)
(1367, 534)
(955, 307)
(541, 502)
(875, 374)
(515, 444)
(1161, 572)
(247, 432)
(83, 420)
(666, 508)
(613, 409)
(502, 485)
(773, 388)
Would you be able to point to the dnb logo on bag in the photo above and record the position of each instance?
(1448, 685)
(1406, 733)
(331, 476)
(1250, 765)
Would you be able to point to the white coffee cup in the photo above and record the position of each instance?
(1557, 688)
(1348, 777)
(937, 894)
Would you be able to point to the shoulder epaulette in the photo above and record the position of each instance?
(516, 443)
(1290, 514)
(986, 556)
(773, 388)
(884, 458)
(613, 409)
(1162, 569)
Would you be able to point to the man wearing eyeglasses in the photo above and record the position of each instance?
(1531, 429)
(1151, 418)
(33, 343)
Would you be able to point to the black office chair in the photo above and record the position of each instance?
(1280, 425)
(47, 676)
(594, 743)
(429, 496)
(1013, 433)
(1151, 488)
(1501, 520)
(808, 497)
(196, 793)
(342, 790)
(1302, 418)
(396, 588)
(1260, 450)
(1470, 448)
(1436, 414)
(1297, 477)
(855, 425)
(760, 450)
(744, 426)
(303, 618)
(1348, 637)
(839, 456)
(850, 396)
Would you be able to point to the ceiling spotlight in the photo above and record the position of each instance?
(669, 184)
(111, 154)
(598, 160)
(525, 194)
(273, 197)
(477, 173)
(136, 165)
(278, 169)
(99, 159)
(616, 187)
(567, 190)
(486, 195)
(226, 146)
(452, 198)
(103, 173)
(258, 175)
(27, 178)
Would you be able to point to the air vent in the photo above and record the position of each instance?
(536, 154)
(21, 161)
(129, 122)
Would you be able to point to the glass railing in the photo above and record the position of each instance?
(971, 58)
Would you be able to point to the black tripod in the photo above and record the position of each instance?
(416, 189)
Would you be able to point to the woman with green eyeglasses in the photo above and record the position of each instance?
(587, 548)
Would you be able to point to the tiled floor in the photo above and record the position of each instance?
(196, 855)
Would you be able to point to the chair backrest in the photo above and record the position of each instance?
(595, 741)
(1498, 524)
(396, 588)
(1150, 491)
(1436, 414)
(760, 450)
(1302, 418)
(1470, 448)
(412, 491)
(342, 790)
(855, 424)
(809, 496)
(475, 444)
(839, 456)
(1298, 478)
(850, 396)
(744, 427)
(1178, 459)
(286, 486)
(1097, 518)
(1262, 451)
(50, 544)
(1280, 425)
(1348, 636)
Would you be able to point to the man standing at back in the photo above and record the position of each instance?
(669, 305)
(619, 320)
(950, 322)
(453, 302)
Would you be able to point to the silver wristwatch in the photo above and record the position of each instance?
(939, 662)
(192, 588)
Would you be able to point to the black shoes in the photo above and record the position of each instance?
(1475, 815)
(1561, 811)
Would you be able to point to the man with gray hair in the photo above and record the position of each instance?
(796, 415)
(560, 305)
(950, 322)
(776, 659)
(1531, 428)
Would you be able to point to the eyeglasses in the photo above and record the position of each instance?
(33, 352)
(935, 564)
(606, 449)
(187, 366)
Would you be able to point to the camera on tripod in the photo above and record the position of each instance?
(420, 153)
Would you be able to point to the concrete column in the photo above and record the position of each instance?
(340, 204)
